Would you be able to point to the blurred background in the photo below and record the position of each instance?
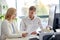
(44, 8)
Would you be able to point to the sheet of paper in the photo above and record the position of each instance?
(31, 28)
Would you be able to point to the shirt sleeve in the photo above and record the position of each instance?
(22, 26)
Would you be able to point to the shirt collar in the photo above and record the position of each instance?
(30, 19)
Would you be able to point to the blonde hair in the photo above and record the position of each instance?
(9, 13)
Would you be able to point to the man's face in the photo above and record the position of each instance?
(31, 13)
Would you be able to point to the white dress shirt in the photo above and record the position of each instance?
(7, 30)
(29, 25)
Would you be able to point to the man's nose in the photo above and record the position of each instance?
(31, 12)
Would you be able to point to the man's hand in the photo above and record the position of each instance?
(24, 34)
(33, 33)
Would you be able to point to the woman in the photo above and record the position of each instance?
(9, 27)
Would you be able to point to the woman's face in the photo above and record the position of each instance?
(13, 16)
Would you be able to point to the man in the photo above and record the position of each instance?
(30, 23)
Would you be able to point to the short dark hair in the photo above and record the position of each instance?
(32, 8)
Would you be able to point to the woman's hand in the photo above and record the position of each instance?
(24, 34)
(33, 33)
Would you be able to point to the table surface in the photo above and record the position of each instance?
(18, 39)
(24, 38)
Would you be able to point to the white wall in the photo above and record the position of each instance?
(0, 7)
(0, 26)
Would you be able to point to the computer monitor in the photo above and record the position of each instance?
(54, 18)
(56, 22)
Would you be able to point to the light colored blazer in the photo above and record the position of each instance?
(0, 28)
(6, 30)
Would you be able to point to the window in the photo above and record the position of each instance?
(11, 3)
(42, 6)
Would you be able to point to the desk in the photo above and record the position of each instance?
(18, 39)
(26, 38)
